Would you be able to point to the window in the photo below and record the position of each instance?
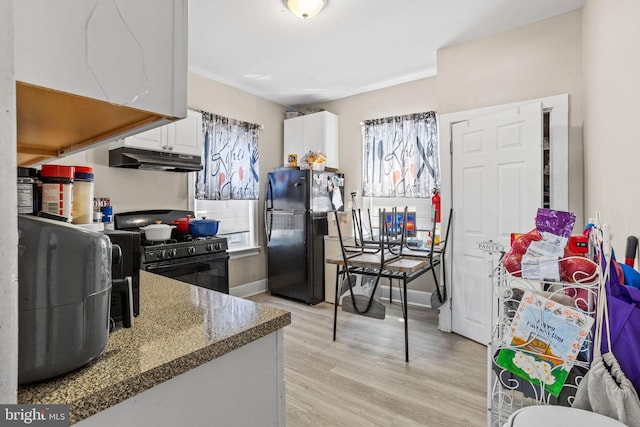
(227, 188)
(238, 222)
(421, 206)
(401, 167)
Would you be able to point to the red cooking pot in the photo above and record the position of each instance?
(182, 225)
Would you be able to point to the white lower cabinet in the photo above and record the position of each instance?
(241, 388)
(331, 249)
(183, 136)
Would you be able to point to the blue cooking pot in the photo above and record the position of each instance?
(203, 227)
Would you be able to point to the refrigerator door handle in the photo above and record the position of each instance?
(268, 197)
(268, 223)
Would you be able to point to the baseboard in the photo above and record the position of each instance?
(249, 289)
(417, 298)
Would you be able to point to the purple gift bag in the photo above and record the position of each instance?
(624, 321)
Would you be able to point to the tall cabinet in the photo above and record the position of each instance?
(312, 132)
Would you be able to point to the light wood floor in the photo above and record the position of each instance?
(362, 379)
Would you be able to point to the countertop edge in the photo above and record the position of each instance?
(99, 401)
(176, 332)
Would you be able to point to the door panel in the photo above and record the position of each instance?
(497, 189)
(288, 189)
(287, 253)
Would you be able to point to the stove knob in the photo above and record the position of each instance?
(209, 247)
(191, 250)
(218, 246)
(161, 254)
(172, 253)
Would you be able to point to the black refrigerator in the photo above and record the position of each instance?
(297, 203)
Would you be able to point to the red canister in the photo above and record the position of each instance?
(57, 190)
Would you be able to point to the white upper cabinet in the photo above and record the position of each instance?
(92, 71)
(183, 137)
(312, 132)
(128, 53)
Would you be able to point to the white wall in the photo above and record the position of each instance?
(130, 189)
(402, 99)
(208, 95)
(611, 66)
(534, 61)
(8, 213)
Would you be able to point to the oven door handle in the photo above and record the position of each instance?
(185, 262)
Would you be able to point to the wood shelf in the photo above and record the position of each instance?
(52, 123)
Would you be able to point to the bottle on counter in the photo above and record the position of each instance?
(98, 204)
(107, 217)
(57, 190)
(27, 191)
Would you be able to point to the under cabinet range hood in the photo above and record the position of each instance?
(135, 158)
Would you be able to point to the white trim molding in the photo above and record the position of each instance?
(249, 289)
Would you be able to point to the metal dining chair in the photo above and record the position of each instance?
(436, 256)
(357, 303)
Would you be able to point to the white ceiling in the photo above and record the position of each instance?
(352, 46)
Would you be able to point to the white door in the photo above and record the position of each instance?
(497, 190)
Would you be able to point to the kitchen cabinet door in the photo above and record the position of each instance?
(94, 71)
(293, 138)
(108, 51)
(153, 139)
(185, 136)
(312, 132)
(182, 137)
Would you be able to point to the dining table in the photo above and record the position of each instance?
(404, 265)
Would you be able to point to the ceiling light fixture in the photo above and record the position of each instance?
(305, 9)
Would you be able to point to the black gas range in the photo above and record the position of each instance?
(184, 246)
(200, 261)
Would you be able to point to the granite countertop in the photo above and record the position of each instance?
(180, 327)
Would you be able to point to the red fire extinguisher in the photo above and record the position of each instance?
(435, 202)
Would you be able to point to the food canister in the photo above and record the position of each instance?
(27, 191)
(83, 195)
(57, 190)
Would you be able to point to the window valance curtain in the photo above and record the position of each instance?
(401, 157)
(230, 160)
